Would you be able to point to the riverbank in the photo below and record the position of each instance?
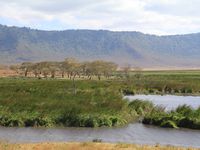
(170, 111)
(86, 146)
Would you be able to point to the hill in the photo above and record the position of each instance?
(135, 48)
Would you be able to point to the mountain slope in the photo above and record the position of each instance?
(24, 44)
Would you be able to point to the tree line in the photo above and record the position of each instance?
(70, 68)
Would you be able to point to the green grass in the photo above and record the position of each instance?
(51, 102)
(31, 102)
(183, 116)
(166, 82)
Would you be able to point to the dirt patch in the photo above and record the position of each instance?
(85, 146)
(7, 73)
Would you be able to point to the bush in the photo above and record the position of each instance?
(151, 91)
(128, 92)
(97, 140)
(186, 90)
(184, 116)
(141, 107)
(184, 110)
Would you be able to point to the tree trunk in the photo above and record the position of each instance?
(26, 73)
(99, 77)
(74, 85)
(63, 75)
(53, 75)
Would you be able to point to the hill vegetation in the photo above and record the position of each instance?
(24, 44)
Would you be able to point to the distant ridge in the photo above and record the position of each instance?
(123, 47)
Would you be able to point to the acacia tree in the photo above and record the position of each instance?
(53, 68)
(26, 67)
(62, 68)
(99, 68)
(86, 69)
(36, 69)
(43, 68)
(72, 66)
(84, 66)
(109, 68)
(15, 68)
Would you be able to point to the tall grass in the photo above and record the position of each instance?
(183, 116)
(47, 102)
(31, 102)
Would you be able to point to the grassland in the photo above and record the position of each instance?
(32, 102)
(86, 146)
(52, 102)
(167, 82)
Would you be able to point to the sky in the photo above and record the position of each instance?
(161, 17)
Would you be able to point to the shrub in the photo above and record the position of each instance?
(184, 110)
(183, 116)
(141, 107)
(151, 91)
(128, 92)
(97, 140)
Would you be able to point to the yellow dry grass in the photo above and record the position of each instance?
(85, 146)
(7, 73)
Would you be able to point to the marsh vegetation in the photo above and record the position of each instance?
(90, 94)
(184, 116)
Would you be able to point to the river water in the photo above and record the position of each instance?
(133, 133)
(169, 101)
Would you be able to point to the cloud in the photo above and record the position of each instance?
(174, 7)
(148, 16)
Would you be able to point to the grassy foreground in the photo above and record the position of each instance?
(86, 146)
(53, 102)
(33, 102)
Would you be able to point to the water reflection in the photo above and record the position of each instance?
(169, 101)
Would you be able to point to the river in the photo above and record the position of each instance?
(133, 133)
(168, 101)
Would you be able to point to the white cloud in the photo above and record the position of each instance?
(174, 7)
(149, 16)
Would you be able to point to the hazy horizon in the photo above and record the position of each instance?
(97, 30)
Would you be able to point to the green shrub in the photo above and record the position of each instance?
(184, 110)
(184, 116)
(128, 92)
(141, 107)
